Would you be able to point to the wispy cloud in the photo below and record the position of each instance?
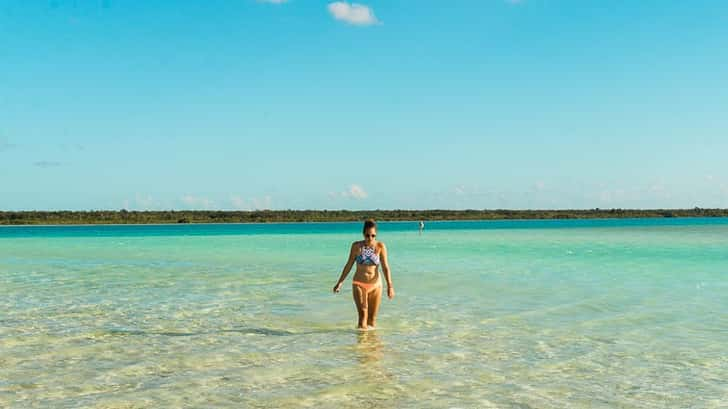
(197, 202)
(465, 190)
(239, 203)
(72, 147)
(263, 203)
(5, 145)
(474, 196)
(656, 194)
(47, 164)
(144, 202)
(355, 14)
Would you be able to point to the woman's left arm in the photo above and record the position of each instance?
(387, 273)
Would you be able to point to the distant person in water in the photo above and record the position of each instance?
(368, 254)
(422, 225)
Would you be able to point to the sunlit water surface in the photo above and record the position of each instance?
(611, 313)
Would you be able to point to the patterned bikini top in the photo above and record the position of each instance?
(368, 256)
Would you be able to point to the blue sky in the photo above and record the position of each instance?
(306, 104)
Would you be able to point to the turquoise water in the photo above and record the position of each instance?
(541, 314)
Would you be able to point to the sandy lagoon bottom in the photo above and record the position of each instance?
(632, 317)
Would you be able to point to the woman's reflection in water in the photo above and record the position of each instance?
(369, 347)
(375, 359)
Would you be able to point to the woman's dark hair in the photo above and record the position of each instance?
(370, 223)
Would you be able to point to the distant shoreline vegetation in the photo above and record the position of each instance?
(302, 216)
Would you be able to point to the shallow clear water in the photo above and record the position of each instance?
(615, 313)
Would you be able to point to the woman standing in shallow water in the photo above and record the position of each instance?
(368, 254)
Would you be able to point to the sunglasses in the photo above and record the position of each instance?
(370, 235)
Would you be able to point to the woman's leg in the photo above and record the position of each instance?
(360, 299)
(374, 298)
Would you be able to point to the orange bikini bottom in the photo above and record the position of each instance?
(367, 286)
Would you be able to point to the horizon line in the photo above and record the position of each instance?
(574, 209)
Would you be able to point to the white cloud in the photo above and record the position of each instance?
(201, 203)
(357, 192)
(356, 14)
(354, 192)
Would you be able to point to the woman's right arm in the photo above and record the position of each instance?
(347, 268)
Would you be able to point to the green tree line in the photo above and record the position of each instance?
(279, 216)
